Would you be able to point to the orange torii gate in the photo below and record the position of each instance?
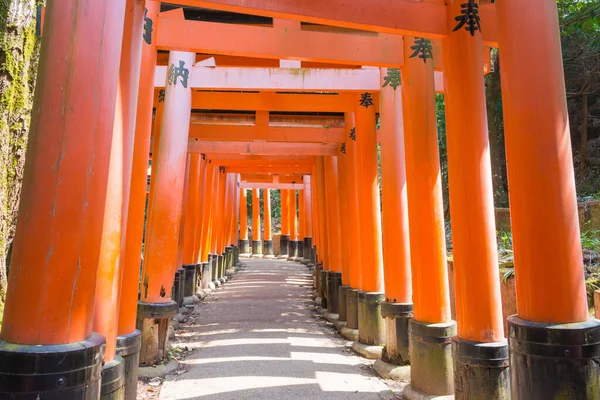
(89, 149)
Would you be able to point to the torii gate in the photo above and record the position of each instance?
(85, 185)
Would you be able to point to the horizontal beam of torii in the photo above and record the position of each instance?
(284, 79)
(265, 185)
(247, 157)
(289, 43)
(271, 178)
(263, 163)
(206, 132)
(277, 169)
(263, 148)
(398, 17)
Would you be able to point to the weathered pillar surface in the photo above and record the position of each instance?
(353, 224)
(244, 243)
(431, 297)
(324, 251)
(54, 264)
(478, 302)
(554, 347)
(164, 217)
(345, 228)
(371, 327)
(256, 238)
(199, 239)
(398, 285)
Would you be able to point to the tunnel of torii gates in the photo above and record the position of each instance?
(285, 96)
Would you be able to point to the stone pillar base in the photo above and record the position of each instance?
(128, 347)
(392, 371)
(292, 250)
(323, 287)
(215, 267)
(432, 372)
(334, 281)
(65, 371)
(206, 275)
(244, 245)
(307, 246)
(552, 361)
(349, 334)
(371, 326)
(153, 320)
(342, 302)
(189, 279)
(178, 283)
(352, 308)
(284, 241)
(300, 254)
(367, 351)
(220, 269)
(268, 249)
(113, 380)
(480, 370)
(257, 248)
(317, 279)
(397, 316)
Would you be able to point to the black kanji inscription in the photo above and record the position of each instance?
(175, 72)
(161, 96)
(469, 17)
(366, 100)
(392, 78)
(352, 135)
(148, 28)
(343, 148)
(422, 49)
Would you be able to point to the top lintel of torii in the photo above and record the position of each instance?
(400, 17)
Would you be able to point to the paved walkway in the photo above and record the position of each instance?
(260, 338)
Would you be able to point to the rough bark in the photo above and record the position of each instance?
(18, 66)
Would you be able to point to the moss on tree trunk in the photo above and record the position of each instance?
(18, 66)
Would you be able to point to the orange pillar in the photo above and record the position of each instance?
(308, 224)
(56, 252)
(268, 238)
(228, 221)
(192, 207)
(549, 275)
(371, 329)
(353, 225)
(397, 308)
(244, 243)
(301, 225)
(220, 223)
(256, 242)
(322, 213)
(284, 240)
(163, 223)
(427, 231)
(198, 240)
(206, 212)
(139, 179)
(476, 283)
(334, 277)
(293, 201)
(344, 226)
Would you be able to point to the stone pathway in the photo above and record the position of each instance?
(259, 337)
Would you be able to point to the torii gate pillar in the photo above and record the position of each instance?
(244, 243)
(268, 235)
(256, 242)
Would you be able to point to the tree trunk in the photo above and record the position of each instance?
(18, 66)
(583, 131)
(496, 134)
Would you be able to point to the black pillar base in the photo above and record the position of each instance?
(113, 380)
(153, 320)
(317, 278)
(307, 249)
(352, 308)
(221, 264)
(323, 286)
(397, 317)
(268, 249)
(334, 281)
(228, 258)
(342, 302)
(371, 326)
(300, 255)
(284, 241)
(54, 372)
(552, 361)
(313, 257)
(189, 284)
(206, 274)
(128, 347)
(292, 250)
(244, 246)
(432, 372)
(480, 370)
(257, 248)
(177, 292)
(214, 260)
